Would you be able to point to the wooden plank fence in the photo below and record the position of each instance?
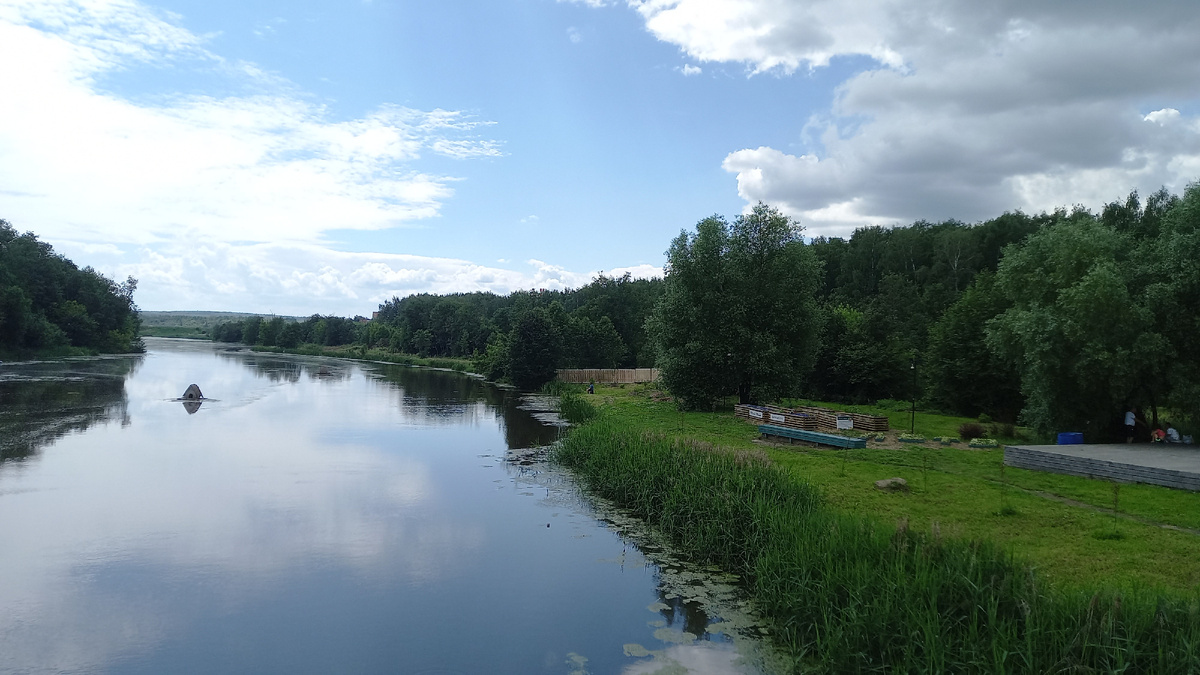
(608, 375)
(808, 417)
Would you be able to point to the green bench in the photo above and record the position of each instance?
(811, 436)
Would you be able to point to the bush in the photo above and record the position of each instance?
(1002, 430)
(970, 430)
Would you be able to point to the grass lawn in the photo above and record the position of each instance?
(963, 492)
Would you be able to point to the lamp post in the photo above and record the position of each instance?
(913, 419)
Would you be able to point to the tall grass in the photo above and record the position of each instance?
(849, 594)
(572, 404)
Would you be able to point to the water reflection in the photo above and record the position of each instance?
(41, 402)
(318, 516)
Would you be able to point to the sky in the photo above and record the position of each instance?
(309, 157)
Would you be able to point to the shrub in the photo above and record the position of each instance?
(970, 430)
(1002, 430)
(984, 418)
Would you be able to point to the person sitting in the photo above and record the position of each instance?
(1158, 435)
(1172, 434)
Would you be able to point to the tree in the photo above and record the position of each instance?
(1084, 344)
(534, 349)
(966, 377)
(737, 313)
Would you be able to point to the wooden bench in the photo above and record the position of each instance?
(771, 430)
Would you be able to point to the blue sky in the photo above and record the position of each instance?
(300, 157)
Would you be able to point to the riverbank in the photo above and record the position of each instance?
(361, 353)
(850, 591)
(1064, 525)
(18, 355)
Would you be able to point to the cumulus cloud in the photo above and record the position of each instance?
(688, 70)
(218, 201)
(84, 163)
(301, 279)
(970, 108)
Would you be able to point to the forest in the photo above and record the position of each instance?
(48, 306)
(1058, 320)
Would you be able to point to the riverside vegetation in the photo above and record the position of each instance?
(50, 307)
(849, 592)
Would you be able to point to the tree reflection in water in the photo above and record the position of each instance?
(430, 396)
(41, 402)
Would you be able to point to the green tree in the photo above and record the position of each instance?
(737, 314)
(534, 349)
(966, 377)
(1083, 342)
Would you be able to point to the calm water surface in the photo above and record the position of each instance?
(321, 516)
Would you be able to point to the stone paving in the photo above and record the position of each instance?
(1176, 466)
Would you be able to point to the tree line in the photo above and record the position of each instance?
(329, 331)
(523, 337)
(1058, 320)
(49, 305)
(1063, 319)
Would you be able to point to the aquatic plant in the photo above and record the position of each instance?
(850, 594)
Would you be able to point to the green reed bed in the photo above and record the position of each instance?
(850, 594)
(572, 402)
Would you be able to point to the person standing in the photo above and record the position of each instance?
(1130, 422)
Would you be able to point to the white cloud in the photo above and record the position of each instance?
(300, 279)
(82, 163)
(970, 108)
(688, 70)
(1163, 117)
(219, 202)
(573, 35)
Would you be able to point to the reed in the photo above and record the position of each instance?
(850, 594)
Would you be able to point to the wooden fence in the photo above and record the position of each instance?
(608, 375)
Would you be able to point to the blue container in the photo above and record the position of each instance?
(1070, 438)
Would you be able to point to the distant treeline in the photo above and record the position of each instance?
(328, 331)
(521, 337)
(49, 305)
(1064, 317)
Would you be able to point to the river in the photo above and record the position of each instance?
(323, 516)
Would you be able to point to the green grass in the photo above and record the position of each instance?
(192, 332)
(847, 592)
(965, 491)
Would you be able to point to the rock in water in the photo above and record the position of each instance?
(892, 485)
(192, 393)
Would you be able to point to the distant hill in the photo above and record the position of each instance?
(191, 324)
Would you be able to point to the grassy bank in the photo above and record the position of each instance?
(852, 593)
(364, 354)
(190, 333)
(1065, 525)
(15, 355)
